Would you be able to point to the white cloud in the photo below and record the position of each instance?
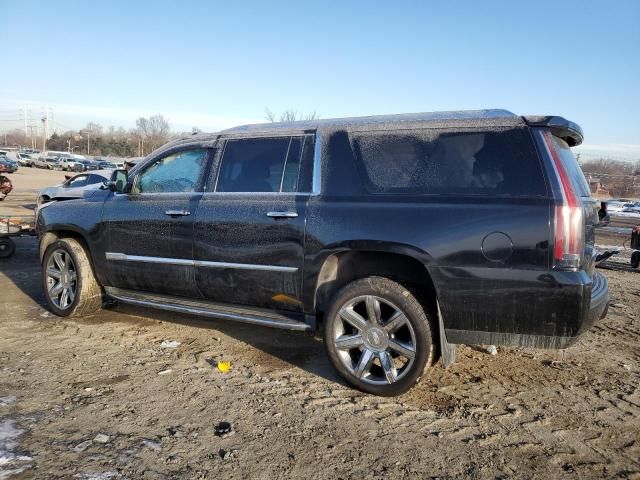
(618, 151)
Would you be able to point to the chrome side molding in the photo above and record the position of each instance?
(123, 257)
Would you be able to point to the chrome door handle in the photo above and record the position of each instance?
(177, 213)
(282, 214)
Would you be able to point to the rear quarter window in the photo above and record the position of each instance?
(573, 169)
(449, 162)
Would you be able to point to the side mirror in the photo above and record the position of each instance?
(118, 181)
(110, 185)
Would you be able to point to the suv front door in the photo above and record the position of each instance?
(249, 228)
(150, 228)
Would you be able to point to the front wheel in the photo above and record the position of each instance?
(69, 284)
(378, 336)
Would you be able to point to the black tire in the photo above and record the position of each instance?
(87, 297)
(7, 247)
(376, 340)
(635, 259)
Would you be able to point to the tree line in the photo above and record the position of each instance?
(621, 179)
(150, 133)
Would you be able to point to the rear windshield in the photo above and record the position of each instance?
(450, 162)
(573, 169)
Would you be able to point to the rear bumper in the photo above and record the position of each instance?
(591, 312)
(599, 301)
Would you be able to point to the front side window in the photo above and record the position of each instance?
(178, 172)
(260, 165)
(79, 181)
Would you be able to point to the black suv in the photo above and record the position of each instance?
(400, 234)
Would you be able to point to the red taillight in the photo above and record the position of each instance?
(569, 221)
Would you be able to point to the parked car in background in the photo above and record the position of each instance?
(400, 234)
(7, 166)
(615, 206)
(106, 164)
(48, 159)
(24, 159)
(89, 164)
(72, 163)
(76, 186)
(631, 208)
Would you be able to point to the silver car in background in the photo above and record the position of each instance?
(76, 186)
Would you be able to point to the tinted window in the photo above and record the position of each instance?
(441, 162)
(179, 172)
(260, 165)
(94, 179)
(79, 181)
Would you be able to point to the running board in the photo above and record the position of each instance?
(206, 308)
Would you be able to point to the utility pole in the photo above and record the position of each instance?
(88, 141)
(69, 145)
(44, 131)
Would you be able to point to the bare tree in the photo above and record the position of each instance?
(268, 115)
(153, 131)
(289, 115)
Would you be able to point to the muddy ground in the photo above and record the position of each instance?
(100, 398)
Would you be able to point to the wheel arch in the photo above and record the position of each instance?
(403, 263)
(51, 235)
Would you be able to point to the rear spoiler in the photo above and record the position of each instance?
(561, 127)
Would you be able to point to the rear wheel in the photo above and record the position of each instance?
(378, 336)
(69, 284)
(7, 247)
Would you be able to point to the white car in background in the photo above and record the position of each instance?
(615, 206)
(24, 159)
(631, 208)
(76, 186)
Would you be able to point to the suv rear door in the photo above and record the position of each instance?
(249, 229)
(149, 245)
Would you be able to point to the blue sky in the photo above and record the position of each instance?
(217, 64)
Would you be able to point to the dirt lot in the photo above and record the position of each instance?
(520, 414)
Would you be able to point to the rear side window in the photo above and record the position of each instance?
(260, 165)
(444, 162)
(95, 179)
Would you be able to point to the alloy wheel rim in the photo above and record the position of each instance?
(62, 279)
(374, 340)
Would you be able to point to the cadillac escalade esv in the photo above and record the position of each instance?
(399, 235)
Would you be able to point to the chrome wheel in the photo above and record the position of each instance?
(374, 340)
(62, 279)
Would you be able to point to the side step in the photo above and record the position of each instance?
(208, 309)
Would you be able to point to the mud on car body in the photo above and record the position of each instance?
(397, 235)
